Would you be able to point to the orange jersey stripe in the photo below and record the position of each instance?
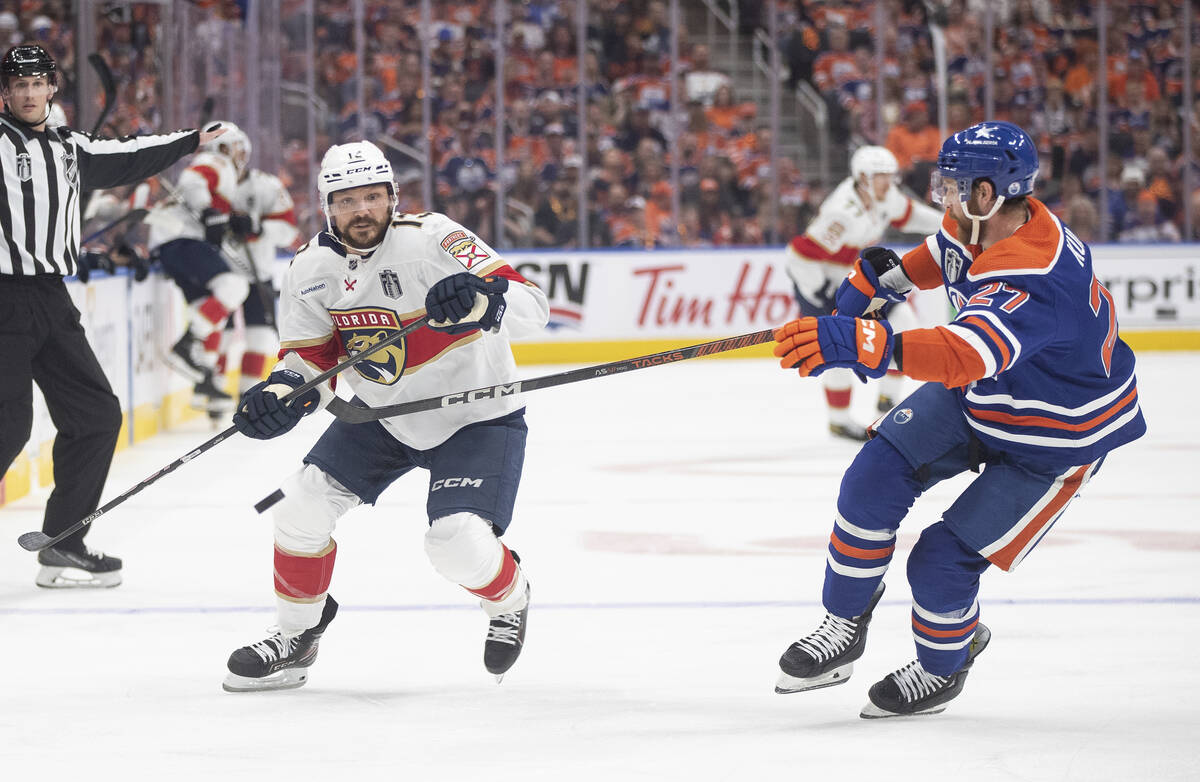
(1005, 354)
(940, 355)
(927, 630)
(1050, 423)
(1005, 556)
(860, 553)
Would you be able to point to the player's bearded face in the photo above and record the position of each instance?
(361, 214)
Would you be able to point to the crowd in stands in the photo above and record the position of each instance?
(1045, 77)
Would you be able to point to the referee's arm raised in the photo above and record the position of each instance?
(105, 162)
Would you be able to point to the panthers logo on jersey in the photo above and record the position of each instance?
(360, 330)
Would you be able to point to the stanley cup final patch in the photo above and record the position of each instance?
(390, 282)
(24, 167)
(464, 248)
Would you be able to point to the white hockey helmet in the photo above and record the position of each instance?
(355, 164)
(868, 160)
(233, 144)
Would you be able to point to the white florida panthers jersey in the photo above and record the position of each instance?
(267, 201)
(210, 181)
(335, 304)
(844, 225)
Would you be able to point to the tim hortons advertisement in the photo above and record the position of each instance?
(667, 294)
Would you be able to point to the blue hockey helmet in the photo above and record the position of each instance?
(1000, 152)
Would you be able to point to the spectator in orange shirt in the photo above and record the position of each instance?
(1135, 71)
(660, 225)
(915, 143)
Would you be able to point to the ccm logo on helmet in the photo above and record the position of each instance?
(450, 483)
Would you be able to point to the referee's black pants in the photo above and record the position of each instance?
(42, 340)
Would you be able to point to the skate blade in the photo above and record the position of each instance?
(182, 367)
(873, 712)
(54, 577)
(790, 684)
(499, 678)
(288, 679)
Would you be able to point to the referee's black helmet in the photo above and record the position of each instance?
(27, 59)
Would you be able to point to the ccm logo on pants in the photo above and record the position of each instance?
(449, 483)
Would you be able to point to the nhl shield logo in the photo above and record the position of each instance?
(390, 282)
(71, 169)
(952, 264)
(24, 167)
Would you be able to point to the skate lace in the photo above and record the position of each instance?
(505, 629)
(832, 638)
(916, 683)
(276, 647)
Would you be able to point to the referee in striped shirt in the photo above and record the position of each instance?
(43, 173)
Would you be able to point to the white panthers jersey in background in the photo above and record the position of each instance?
(267, 201)
(844, 225)
(335, 304)
(209, 181)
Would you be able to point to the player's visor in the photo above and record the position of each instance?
(359, 199)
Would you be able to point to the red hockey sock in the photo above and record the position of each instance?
(499, 587)
(304, 577)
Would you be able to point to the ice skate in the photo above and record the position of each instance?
(849, 432)
(826, 657)
(64, 568)
(187, 357)
(280, 662)
(208, 397)
(505, 638)
(913, 691)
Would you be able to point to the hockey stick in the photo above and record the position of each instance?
(38, 540)
(354, 414)
(108, 84)
(133, 214)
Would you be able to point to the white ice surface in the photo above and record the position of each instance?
(673, 523)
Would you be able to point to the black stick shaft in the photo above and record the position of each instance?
(357, 415)
(36, 541)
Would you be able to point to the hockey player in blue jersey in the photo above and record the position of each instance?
(1030, 386)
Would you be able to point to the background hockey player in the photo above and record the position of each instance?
(263, 221)
(1030, 381)
(854, 216)
(369, 273)
(44, 169)
(187, 233)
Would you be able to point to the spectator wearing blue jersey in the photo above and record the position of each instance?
(1030, 387)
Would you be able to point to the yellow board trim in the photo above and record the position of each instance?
(594, 352)
(1162, 340)
(45, 464)
(18, 480)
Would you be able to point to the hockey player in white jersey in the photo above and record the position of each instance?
(852, 218)
(369, 274)
(186, 236)
(262, 222)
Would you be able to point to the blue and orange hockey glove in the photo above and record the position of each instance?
(813, 345)
(861, 292)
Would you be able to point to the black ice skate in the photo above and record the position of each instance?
(505, 638)
(912, 690)
(279, 662)
(187, 357)
(64, 568)
(208, 397)
(849, 431)
(826, 657)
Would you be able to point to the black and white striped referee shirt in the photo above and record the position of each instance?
(42, 175)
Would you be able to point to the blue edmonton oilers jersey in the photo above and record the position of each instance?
(1059, 385)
